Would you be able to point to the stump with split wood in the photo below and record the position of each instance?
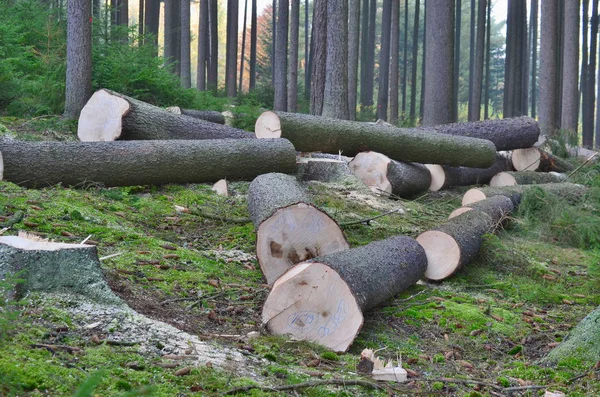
(289, 229)
(443, 177)
(130, 163)
(498, 207)
(209, 115)
(535, 159)
(526, 178)
(569, 191)
(109, 116)
(323, 299)
(313, 133)
(386, 176)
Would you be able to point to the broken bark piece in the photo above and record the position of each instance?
(322, 300)
(526, 178)
(321, 169)
(384, 175)
(535, 159)
(569, 191)
(443, 177)
(422, 145)
(109, 116)
(288, 228)
(208, 115)
(132, 163)
(454, 243)
(220, 188)
(498, 207)
(54, 267)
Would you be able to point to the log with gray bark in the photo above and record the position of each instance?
(321, 169)
(421, 145)
(535, 159)
(498, 207)
(455, 243)
(126, 163)
(386, 176)
(322, 300)
(443, 177)
(53, 267)
(526, 178)
(571, 192)
(109, 116)
(209, 115)
(289, 229)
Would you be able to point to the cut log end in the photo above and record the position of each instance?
(459, 211)
(503, 179)
(438, 176)
(295, 234)
(473, 196)
(371, 168)
(268, 125)
(101, 117)
(526, 159)
(443, 254)
(312, 302)
(28, 244)
(220, 188)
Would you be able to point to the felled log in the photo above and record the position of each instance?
(498, 207)
(422, 145)
(526, 178)
(535, 159)
(126, 163)
(322, 300)
(455, 243)
(109, 116)
(444, 177)
(53, 267)
(209, 115)
(321, 169)
(569, 191)
(289, 229)
(387, 176)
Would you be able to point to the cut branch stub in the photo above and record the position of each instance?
(289, 228)
(322, 300)
(526, 178)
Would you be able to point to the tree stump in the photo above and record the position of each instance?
(289, 229)
(322, 300)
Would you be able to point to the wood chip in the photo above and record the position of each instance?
(67, 234)
(171, 256)
(143, 252)
(553, 344)
(31, 224)
(568, 302)
(578, 296)
(497, 318)
(313, 363)
(183, 371)
(35, 207)
(411, 373)
(169, 247)
(549, 277)
(476, 332)
(466, 364)
(120, 214)
(214, 283)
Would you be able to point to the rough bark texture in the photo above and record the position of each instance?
(497, 207)
(457, 40)
(526, 178)
(203, 46)
(415, 53)
(515, 89)
(172, 35)
(151, 19)
(330, 313)
(292, 84)
(253, 42)
(213, 61)
(548, 82)
(322, 170)
(422, 145)
(54, 267)
(353, 43)
(209, 115)
(568, 191)
(243, 52)
(232, 48)
(78, 87)
(384, 60)
(439, 62)
(477, 79)
(143, 162)
(144, 122)
(589, 98)
(533, 21)
(394, 62)
(335, 100)
(466, 176)
(185, 64)
(318, 50)
(570, 88)
(280, 61)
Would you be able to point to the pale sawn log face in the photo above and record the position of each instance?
(101, 119)
(527, 159)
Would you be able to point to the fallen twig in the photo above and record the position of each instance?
(110, 256)
(367, 220)
(2, 231)
(85, 239)
(584, 163)
(304, 385)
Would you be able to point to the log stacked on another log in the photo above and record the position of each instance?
(569, 191)
(386, 176)
(288, 228)
(526, 178)
(131, 163)
(109, 116)
(321, 169)
(422, 145)
(322, 300)
(496, 206)
(535, 159)
(209, 115)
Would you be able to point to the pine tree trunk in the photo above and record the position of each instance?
(371, 50)
(439, 63)
(548, 68)
(186, 72)
(570, 89)
(306, 53)
(318, 52)
(509, 32)
(534, 50)
(477, 79)
(394, 62)
(415, 62)
(405, 60)
(335, 100)
(364, 53)
(243, 53)
(384, 60)
(213, 60)
(78, 87)
(488, 56)
(274, 34)
(232, 47)
(353, 44)
(457, 40)
(281, 56)
(141, 4)
(292, 93)
(253, 43)
(151, 19)
(203, 46)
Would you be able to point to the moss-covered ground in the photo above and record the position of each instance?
(195, 269)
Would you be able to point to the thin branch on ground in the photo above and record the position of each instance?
(304, 385)
(367, 220)
(584, 163)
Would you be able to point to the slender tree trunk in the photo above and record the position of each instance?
(508, 108)
(384, 60)
(570, 89)
(525, 51)
(292, 93)
(548, 67)
(141, 4)
(186, 70)
(394, 62)
(78, 87)
(439, 60)
(232, 47)
(335, 100)
(415, 56)
(371, 57)
(534, 48)
(203, 47)
(274, 43)
(475, 106)
(405, 60)
(559, 61)
(588, 119)
(318, 57)
(585, 57)
(243, 56)
(488, 53)
(364, 53)
(424, 64)
(172, 34)
(472, 32)
(253, 41)
(151, 19)
(457, 40)
(353, 44)
(213, 60)
(306, 53)
(281, 60)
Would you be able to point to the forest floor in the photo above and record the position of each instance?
(486, 328)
